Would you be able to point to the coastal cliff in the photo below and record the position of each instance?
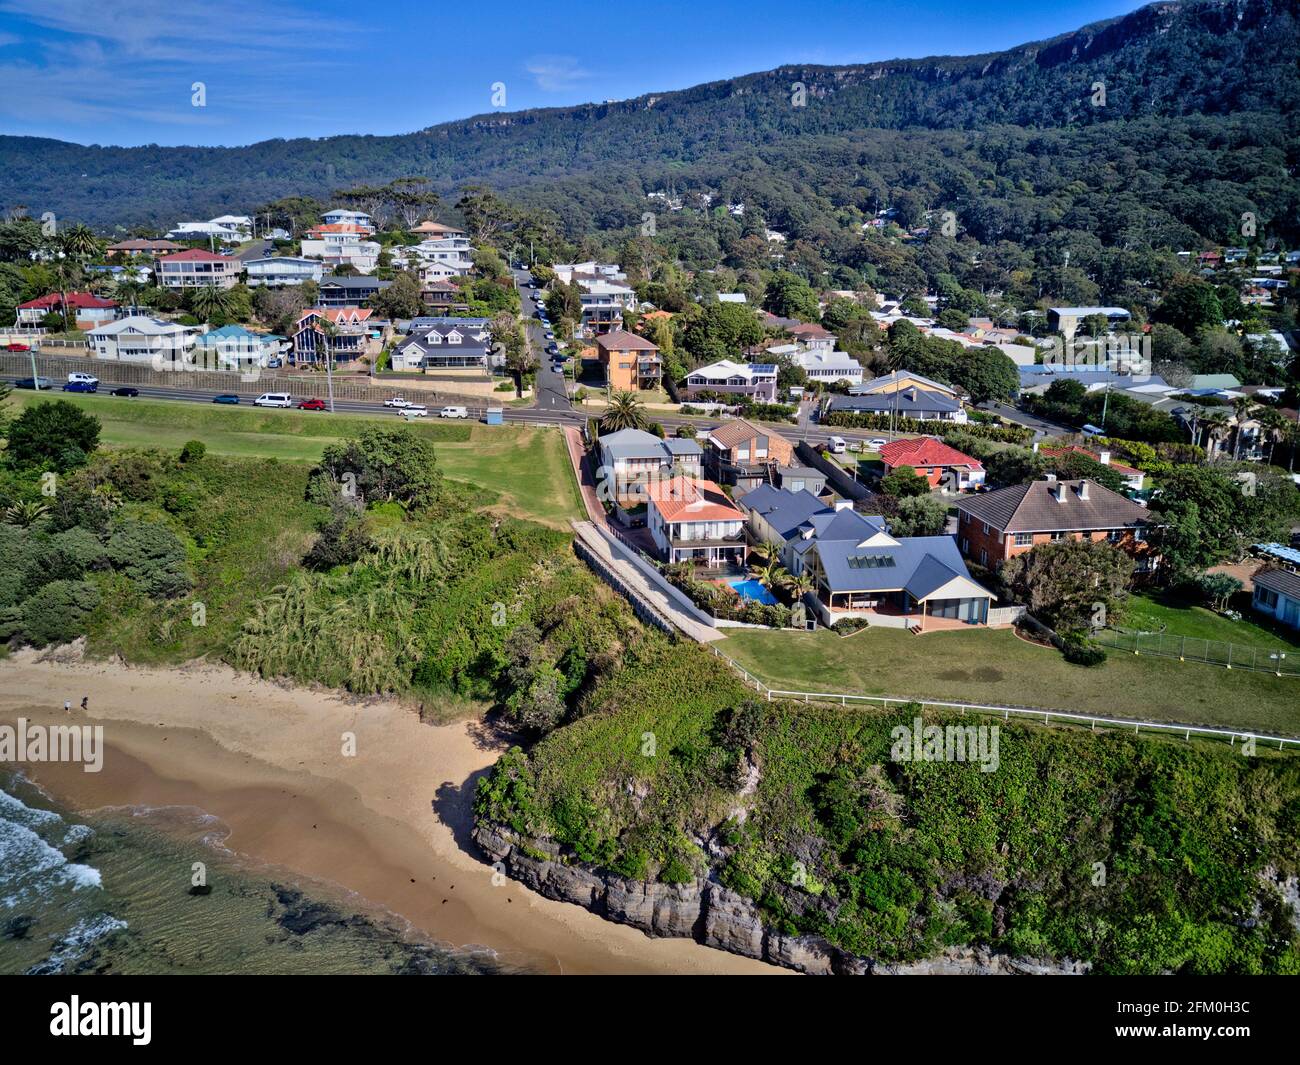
(710, 914)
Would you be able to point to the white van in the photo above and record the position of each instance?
(273, 399)
(82, 379)
(453, 412)
(1092, 430)
(837, 445)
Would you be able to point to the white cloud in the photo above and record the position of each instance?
(555, 73)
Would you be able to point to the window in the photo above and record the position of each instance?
(984, 557)
(1057, 537)
(1024, 539)
(1266, 597)
(1114, 536)
(987, 530)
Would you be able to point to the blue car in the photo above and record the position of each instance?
(228, 397)
(81, 386)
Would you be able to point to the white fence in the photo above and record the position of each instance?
(1029, 712)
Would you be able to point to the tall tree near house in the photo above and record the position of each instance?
(414, 198)
(208, 301)
(328, 332)
(625, 412)
(1242, 408)
(1063, 583)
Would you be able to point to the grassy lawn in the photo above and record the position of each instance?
(995, 666)
(529, 469)
(1150, 613)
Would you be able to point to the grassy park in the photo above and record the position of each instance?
(996, 666)
(528, 469)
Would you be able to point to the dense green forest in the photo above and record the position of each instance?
(1196, 125)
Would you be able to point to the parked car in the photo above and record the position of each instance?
(36, 383)
(313, 404)
(83, 379)
(550, 335)
(553, 348)
(414, 410)
(81, 386)
(453, 412)
(18, 347)
(397, 401)
(876, 443)
(226, 397)
(837, 445)
(273, 399)
(125, 390)
(274, 364)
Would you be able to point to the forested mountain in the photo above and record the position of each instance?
(1196, 124)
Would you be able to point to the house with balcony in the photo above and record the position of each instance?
(1067, 320)
(445, 343)
(632, 459)
(860, 570)
(229, 229)
(692, 520)
(340, 216)
(741, 454)
(942, 466)
(997, 525)
(282, 271)
(603, 304)
(431, 230)
(349, 291)
(232, 347)
(441, 295)
(341, 244)
(812, 337)
(84, 309)
(727, 378)
(827, 365)
(139, 338)
(631, 362)
(196, 268)
(350, 337)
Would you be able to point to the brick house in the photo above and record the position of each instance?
(740, 453)
(934, 460)
(1010, 521)
(631, 362)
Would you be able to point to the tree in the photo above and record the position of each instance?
(401, 299)
(919, 515)
(790, 296)
(1071, 585)
(55, 432)
(904, 482)
(1217, 589)
(210, 301)
(151, 555)
(1190, 305)
(385, 464)
(625, 412)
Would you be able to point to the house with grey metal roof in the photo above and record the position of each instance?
(917, 403)
(630, 459)
(1277, 594)
(860, 570)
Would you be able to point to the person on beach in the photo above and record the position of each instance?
(67, 706)
(85, 700)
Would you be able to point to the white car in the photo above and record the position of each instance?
(550, 336)
(397, 401)
(82, 379)
(414, 410)
(453, 412)
(273, 399)
(877, 443)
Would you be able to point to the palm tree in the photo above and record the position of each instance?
(328, 331)
(1242, 408)
(128, 291)
(25, 513)
(768, 552)
(797, 585)
(1215, 424)
(768, 574)
(209, 301)
(80, 243)
(625, 412)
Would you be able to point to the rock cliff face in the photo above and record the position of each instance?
(708, 913)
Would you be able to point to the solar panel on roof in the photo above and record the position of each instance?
(870, 561)
(763, 367)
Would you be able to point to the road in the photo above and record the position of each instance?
(1029, 421)
(552, 393)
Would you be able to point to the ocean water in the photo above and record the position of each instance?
(112, 893)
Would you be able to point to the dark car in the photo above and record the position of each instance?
(313, 404)
(130, 393)
(226, 397)
(81, 386)
(38, 383)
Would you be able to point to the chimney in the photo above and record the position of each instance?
(1058, 491)
(1051, 478)
(1083, 489)
(1104, 458)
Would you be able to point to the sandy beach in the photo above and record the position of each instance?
(389, 822)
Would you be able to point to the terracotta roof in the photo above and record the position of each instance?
(145, 244)
(338, 227)
(338, 315)
(809, 329)
(737, 431)
(75, 300)
(926, 451)
(196, 255)
(688, 499)
(1033, 507)
(622, 340)
(1079, 449)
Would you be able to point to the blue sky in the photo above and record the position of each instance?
(123, 71)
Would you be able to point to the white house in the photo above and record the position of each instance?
(228, 227)
(277, 271)
(339, 216)
(142, 339)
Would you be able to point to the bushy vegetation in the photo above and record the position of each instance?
(1136, 855)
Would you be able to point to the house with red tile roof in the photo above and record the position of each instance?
(197, 268)
(693, 520)
(89, 310)
(931, 458)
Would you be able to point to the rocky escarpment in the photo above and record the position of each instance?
(710, 914)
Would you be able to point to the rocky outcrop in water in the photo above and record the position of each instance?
(710, 914)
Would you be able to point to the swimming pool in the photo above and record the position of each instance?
(752, 589)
